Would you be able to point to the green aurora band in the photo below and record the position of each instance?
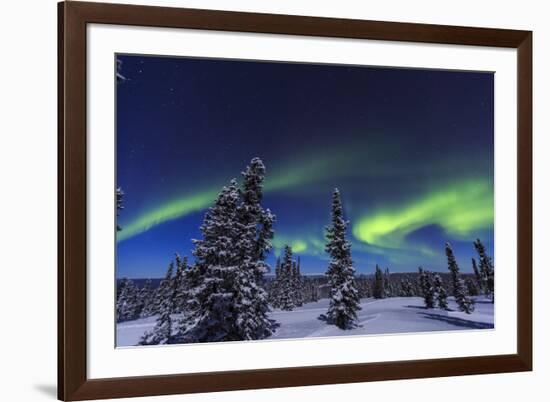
(459, 209)
(167, 212)
(309, 172)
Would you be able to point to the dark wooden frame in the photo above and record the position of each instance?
(73, 17)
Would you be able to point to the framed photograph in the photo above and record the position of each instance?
(253, 201)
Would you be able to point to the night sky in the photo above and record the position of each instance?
(410, 150)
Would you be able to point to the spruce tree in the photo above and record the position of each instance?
(120, 284)
(251, 320)
(310, 289)
(162, 331)
(210, 304)
(378, 288)
(477, 274)
(487, 269)
(226, 299)
(344, 297)
(164, 289)
(363, 286)
(471, 286)
(406, 287)
(440, 293)
(427, 287)
(127, 305)
(287, 300)
(411, 287)
(465, 303)
(297, 285)
(146, 299)
(119, 204)
(300, 280)
(256, 225)
(179, 283)
(132, 302)
(387, 286)
(275, 288)
(313, 290)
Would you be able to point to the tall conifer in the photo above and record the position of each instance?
(344, 297)
(465, 303)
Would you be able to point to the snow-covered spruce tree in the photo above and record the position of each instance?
(132, 302)
(210, 301)
(179, 283)
(387, 286)
(479, 280)
(301, 279)
(411, 286)
(127, 301)
(294, 284)
(344, 297)
(227, 300)
(161, 333)
(146, 299)
(471, 286)
(378, 287)
(297, 286)
(365, 289)
(275, 288)
(440, 293)
(406, 288)
(120, 284)
(368, 289)
(465, 303)
(427, 287)
(286, 297)
(252, 304)
(301, 282)
(119, 204)
(487, 269)
(164, 289)
(249, 318)
(311, 290)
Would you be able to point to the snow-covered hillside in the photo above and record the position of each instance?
(382, 316)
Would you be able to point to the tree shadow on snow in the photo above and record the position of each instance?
(484, 302)
(274, 324)
(459, 322)
(417, 307)
(325, 319)
(426, 308)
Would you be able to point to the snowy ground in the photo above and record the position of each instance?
(386, 316)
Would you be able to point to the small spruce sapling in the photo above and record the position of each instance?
(440, 293)
(162, 332)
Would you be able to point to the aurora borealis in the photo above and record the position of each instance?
(410, 150)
